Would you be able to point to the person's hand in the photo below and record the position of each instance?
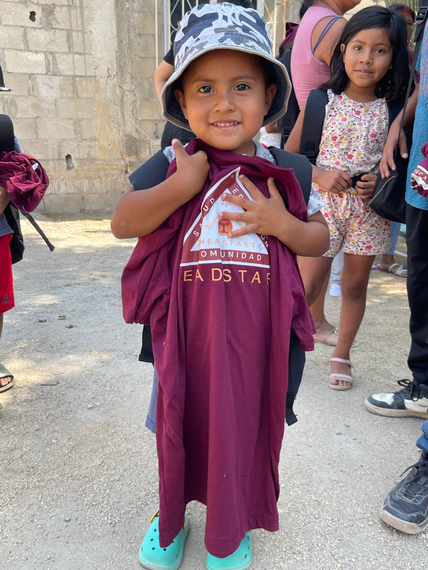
(4, 199)
(387, 160)
(334, 181)
(263, 216)
(193, 169)
(366, 186)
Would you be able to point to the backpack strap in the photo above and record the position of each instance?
(325, 30)
(313, 123)
(151, 173)
(300, 164)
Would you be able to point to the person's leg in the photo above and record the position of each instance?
(406, 506)
(355, 278)
(335, 275)
(412, 399)
(315, 275)
(388, 262)
(6, 301)
(324, 328)
(417, 288)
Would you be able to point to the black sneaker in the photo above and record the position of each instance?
(406, 506)
(400, 404)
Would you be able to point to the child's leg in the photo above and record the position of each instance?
(388, 262)
(324, 328)
(315, 273)
(355, 278)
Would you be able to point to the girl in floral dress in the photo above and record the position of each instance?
(369, 67)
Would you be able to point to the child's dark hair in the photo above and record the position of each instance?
(393, 86)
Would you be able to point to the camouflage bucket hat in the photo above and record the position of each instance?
(210, 27)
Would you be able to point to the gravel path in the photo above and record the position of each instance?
(78, 469)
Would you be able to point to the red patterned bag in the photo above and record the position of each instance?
(419, 177)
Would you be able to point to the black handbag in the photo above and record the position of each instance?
(389, 198)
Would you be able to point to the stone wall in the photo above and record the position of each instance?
(82, 98)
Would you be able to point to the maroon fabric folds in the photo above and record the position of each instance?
(221, 312)
(25, 185)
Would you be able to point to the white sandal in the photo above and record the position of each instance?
(400, 271)
(340, 377)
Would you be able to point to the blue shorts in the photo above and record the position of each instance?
(151, 416)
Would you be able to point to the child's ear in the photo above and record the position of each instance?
(342, 48)
(270, 94)
(179, 95)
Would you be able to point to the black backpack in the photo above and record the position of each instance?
(286, 122)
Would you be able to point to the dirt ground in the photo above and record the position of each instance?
(78, 471)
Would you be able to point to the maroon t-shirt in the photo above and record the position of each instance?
(221, 311)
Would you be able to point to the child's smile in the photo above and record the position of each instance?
(224, 98)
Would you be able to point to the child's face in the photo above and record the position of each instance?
(224, 98)
(367, 59)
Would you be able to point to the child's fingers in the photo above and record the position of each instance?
(346, 179)
(177, 146)
(251, 187)
(273, 190)
(245, 230)
(402, 143)
(368, 178)
(178, 150)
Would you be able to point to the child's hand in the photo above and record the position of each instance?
(387, 161)
(4, 199)
(334, 181)
(366, 186)
(193, 168)
(263, 216)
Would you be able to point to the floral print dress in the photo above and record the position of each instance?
(353, 138)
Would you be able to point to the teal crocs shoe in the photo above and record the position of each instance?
(238, 560)
(154, 557)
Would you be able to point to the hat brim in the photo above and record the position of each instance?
(171, 107)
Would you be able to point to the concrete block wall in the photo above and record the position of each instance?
(82, 98)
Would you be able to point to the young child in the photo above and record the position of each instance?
(369, 67)
(215, 276)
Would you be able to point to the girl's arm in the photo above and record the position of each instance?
(333, 180)
(140, 213)
(325, 48)
(270, 217)
(387, 161)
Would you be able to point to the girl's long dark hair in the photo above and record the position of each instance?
(393, 86)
